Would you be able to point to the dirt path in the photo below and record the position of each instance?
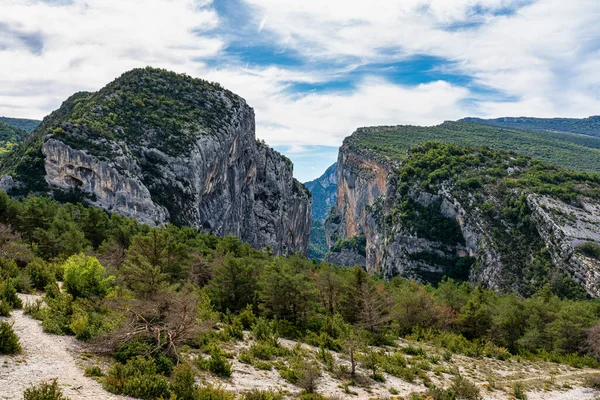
(45, 357)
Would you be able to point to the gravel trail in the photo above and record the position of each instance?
(45, 357)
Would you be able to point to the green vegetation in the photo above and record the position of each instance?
(9, 341)
(10, 136)
(356, 243)
(585, 126)
(27, 125)
(45, 391)
(576, 152)
(492, 186)
(180, 295)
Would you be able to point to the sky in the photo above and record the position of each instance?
(315, 70)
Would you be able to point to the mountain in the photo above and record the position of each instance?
(490, 216)
(324, 192)
(162, 147)
(10, 136)
(28, 125)
(584, 126)
(324, 195)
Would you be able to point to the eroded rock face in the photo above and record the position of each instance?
(209, 172)
(483, 249)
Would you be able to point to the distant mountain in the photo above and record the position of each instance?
(10, 137)
(584, 126)
(324, 195)
(28, 125)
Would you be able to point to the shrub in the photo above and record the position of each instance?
(217, 363)
(593, 381)
(138, 378)
(93, 371)
(9, 341)
(264, 331)
(40, 273)
(8, 293)
(44, 391)
(465, 389)
(589, 249)
(213, 393)
(308, 373)
(84, 277)
(5, 309)
(518, 391)
(183, 382)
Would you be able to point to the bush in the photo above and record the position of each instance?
(138, 378)
(84, 277)
(9, 341)
(217, 363)
(213, 393)
(93, 371)
(40, 273)
(183, 382)
(8, 293)
(5, 309)
(465, 389)
(44, 391)
(518, 391)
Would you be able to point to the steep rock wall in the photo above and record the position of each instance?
(202, 168)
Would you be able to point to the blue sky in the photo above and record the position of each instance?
(316, 70)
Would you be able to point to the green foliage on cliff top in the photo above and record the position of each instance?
(577, 152)
(151, 107)
(585, 126)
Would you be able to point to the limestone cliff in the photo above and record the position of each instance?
(491, 217)
(162, 147)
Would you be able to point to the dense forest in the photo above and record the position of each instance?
(10, 136)
(162, 302)
(27, 125)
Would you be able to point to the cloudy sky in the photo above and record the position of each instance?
(315, 70)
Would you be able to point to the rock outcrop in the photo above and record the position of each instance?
(162, 147)
(469, 226)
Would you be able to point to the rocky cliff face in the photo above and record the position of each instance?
(162, 147)
(424, 217)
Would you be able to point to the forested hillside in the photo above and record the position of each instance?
(119, 276)
(10, 137)
(577, 152)
(28, 125)
(585, 126)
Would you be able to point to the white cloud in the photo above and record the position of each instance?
(88, 43)
(545, 56)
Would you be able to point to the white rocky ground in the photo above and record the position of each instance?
(44, 358)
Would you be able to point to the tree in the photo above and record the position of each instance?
(329, 285)
(235, 283)
(475, 318)
(286, 290)
(350, 304)
(354, 343)
(373, 314)
(167, 319)
(84, 277)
